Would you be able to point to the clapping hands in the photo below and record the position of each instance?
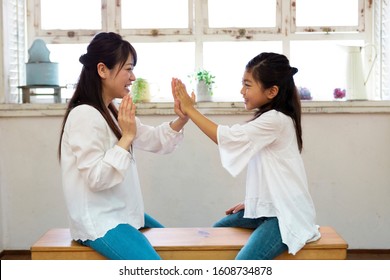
(183, 101)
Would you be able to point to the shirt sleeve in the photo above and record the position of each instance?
(161, 139)
(101, 164)
(238, 144)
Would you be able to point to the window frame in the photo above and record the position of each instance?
(330, 29)
(34, 29)
(155, 32)
(198, 30)
(242, 32)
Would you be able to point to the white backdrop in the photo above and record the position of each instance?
(347, 157)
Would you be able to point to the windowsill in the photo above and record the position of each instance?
(209, 108)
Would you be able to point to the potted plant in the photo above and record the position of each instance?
(204, 85)
(339, 94)
(140, 91)
(304, 93)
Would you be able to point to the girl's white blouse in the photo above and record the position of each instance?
(276, 183)
(100, 179)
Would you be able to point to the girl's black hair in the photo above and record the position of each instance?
(272, 69)
(110, 49)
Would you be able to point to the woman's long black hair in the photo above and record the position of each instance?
(272, 69)
(110, 49)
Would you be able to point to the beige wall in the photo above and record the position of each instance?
(347, 157)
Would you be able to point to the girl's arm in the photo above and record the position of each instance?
(235, 209)
(187, 107)
(206, 125)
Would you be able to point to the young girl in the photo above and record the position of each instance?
(99, 175)
(277, 204)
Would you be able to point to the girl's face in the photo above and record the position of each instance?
(253, 92)
(116, 82)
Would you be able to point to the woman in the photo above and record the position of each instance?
(99, 175)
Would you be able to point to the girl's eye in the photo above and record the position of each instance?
(245, 84)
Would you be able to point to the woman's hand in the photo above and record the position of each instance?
(235, 209)
(126, 121)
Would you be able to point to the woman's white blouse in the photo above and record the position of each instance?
(100, 179)
(276, 184)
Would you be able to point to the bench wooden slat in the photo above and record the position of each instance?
(187, 243)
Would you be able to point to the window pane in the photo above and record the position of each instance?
(69, 68)
(159, 62)
(154, 14)
(322, 66)
(71, 14)
(244, 13)
(327, 12)
(228, 66)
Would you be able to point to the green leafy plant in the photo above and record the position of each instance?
(140, 90)
(207, 77)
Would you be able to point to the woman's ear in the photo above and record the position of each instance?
(102, 70)
(272, 92)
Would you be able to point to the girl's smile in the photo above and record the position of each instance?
(254, 94)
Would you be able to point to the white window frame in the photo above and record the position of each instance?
(198, 30)
(329, 29)
(12, 49)
(242, 33)
(34, 29)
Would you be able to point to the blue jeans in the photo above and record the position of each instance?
(265, 243)
(125, 242)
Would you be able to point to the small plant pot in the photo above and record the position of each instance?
(140, 91)
(203, 93)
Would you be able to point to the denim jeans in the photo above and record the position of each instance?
(124, 242)
(265, 243)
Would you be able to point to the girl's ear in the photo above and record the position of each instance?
(272, 92)
(102, 70)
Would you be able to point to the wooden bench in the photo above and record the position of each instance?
(188, 244)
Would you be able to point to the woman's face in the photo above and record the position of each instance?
(253, 92)
(118, 81)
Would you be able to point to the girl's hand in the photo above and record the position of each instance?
(186, 101)
(235, 209)
(126, 121)
(177, 108)
(186, 104)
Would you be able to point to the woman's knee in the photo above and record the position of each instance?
(151, 223)
(125, 243)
